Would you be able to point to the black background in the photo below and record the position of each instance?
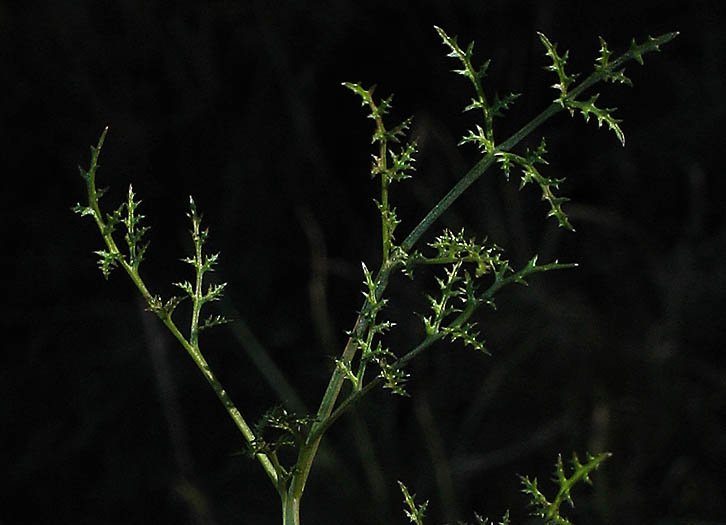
(105, 420)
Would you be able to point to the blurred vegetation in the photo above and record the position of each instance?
(240, 104)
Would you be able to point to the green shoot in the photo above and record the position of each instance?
(550, 511)
(469, 273)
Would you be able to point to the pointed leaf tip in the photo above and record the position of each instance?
(667, 37)
(102, 138)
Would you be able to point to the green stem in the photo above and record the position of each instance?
(309, 449)
(383, 168)
(362, 363)
(554, 108)
(344, 406)
(192, 349)
(198, 358)
(197, 299)
(385, 223)
(472, 175)
(290, 510)
(222, 395)
(325, 411)
(464, 316)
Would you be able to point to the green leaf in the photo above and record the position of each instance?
(531, 174)
(277, 429)
(86, 176)
(376, 303)
(214, 320)
(415, 513)
(83, 210)
(588, 108)
(214, 292)
(394, 378)
(505, 162)
(467, 335)
(485, 138)
(602, 64)
(402, 163)
(485, 521)
(186, 286)
(558, 66)
(134, 232)
(549, 511)
(480, 139)
(637, 52)
(112, 220)
(209, 262)
(107, 261)
(499, 105)
(365, 94)
(171, 304)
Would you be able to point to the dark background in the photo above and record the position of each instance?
(105, 420)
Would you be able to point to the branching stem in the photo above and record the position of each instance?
(191, 346)
(291, 488)
(326, 415)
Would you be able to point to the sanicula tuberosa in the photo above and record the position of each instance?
(472, 272)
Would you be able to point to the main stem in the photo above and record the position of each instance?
(290, 510)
